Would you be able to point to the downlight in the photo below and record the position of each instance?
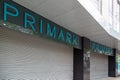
(4, 24)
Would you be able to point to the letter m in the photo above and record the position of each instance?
(51, 32)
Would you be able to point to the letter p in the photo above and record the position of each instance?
(6, 12)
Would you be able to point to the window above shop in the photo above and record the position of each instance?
(110, 10)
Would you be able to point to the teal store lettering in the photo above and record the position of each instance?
(101, 49)
(6, 12)
(16, 14)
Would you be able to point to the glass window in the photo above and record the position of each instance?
(116, 15)
(110, 10)
(118, 1)
(96, 3)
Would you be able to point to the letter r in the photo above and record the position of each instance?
(6, 12)
(28, 21)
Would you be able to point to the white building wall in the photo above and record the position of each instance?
(98, 66)
(28, 57)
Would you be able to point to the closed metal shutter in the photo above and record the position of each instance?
(25, 57)
(98, 66)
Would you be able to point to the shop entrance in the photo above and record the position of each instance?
(98, 66)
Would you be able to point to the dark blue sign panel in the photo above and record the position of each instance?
(28, 21)
(98, 48)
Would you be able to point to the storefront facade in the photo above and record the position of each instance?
(99, 61)
(35, 48)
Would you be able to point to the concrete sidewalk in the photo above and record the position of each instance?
(110, 78)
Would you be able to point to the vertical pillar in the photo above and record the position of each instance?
(78, 64)
(82, 61)
(112, 64)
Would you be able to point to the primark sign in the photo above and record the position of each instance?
(98, 48)
(27, 21)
